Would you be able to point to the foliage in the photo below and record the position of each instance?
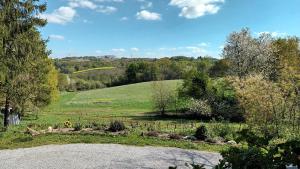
(194, 85)
(162, 96)
(29, 78)
(201, 133)
(116, 126)
(248, 55)
(200, 108)
(262, 101)
(67, 124)
(77, 126)
(223, 130)
(262, 156)
(223, 101)
(220, 68)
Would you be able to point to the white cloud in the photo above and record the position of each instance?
(195, 49)
(119, 50)
(145, 4)
(110, 0)
(273, 34)
(146, 15)
(135, 49)
(61, 15)
(57, 37)
(203, 44)
(192, 9)
(106, 9)
(98, 51)
(91, 5)
(83, 4)
(124, 18)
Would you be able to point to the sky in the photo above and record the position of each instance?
(160, 28)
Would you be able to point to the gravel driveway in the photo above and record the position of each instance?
(102, 156)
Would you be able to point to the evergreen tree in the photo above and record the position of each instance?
(22, 51)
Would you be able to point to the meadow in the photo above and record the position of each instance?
(130, 104)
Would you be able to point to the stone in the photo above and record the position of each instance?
(50, 129)
(193, 138)
(232, 142)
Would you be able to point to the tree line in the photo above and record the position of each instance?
(127, 71)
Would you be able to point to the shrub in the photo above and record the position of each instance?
(77, 126)
(56, 126)
(223, 130)
(200, 108)
(116, 126)
(246, 158)
(67, 124)
(201, 133)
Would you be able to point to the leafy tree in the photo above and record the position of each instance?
(248, 55)
(63, 82)
(287, 74)
(220, 68)
(22, 51)
(195, 85)
(262, 101)
(162, 96)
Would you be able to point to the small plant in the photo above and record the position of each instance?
(200, 108)
(77, 126)
(67, 124)
(56, 126)
(116, 126)
(201, 133)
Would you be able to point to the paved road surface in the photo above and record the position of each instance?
(102, 156)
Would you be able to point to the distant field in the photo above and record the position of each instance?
(99, 68)
(122, 101)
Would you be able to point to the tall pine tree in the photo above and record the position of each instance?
(23, 52)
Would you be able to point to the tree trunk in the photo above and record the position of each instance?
(6, 113)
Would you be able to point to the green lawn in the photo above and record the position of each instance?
(130, 104)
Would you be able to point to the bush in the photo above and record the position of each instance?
(56, 126)
(201, 133)
(116, 126)
(223, 130)
(77, 126)
(247, 158)
(270, 157)
(200, 108)
(67, 124)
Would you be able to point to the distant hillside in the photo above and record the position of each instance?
(85, 73)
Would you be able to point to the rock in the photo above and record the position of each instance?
(232, 142)
(193, 138)
(50, 129)
(32, 132)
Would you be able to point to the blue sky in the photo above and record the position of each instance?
(158, 28)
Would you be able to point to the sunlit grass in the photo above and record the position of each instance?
(93, 69)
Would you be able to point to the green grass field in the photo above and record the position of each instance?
(116, 102)
(130, 104)
(94, 69)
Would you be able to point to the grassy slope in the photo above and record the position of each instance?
(122, 101)
(130, 102)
